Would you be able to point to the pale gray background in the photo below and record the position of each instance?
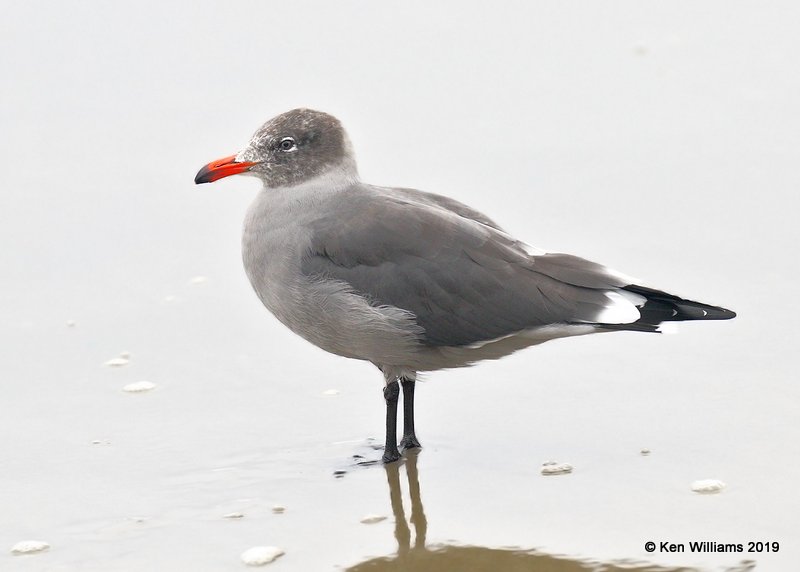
(662, 139)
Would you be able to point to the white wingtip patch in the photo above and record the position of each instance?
(668, 328)
(636, 299)
(619, 310)
(533, 250)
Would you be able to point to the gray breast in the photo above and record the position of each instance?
(278, 233)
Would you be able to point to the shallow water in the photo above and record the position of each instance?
(118, 481)
(661, 140)
(415, 553)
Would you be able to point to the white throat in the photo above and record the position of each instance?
(334, 179)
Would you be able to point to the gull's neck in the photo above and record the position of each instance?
(335, 179)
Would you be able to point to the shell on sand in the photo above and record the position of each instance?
(260, 555)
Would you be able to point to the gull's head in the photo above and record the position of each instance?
(289, 150)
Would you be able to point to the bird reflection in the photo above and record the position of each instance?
(449, 558)
(401, 530)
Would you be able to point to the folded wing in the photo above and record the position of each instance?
(465, 281)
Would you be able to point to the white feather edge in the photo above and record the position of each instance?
(533, 250)
(543, 333)
(668, 328)
(622, 307)
(625, 279)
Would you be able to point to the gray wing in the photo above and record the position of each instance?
(443, 202)
(465, 282)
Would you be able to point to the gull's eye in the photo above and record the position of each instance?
(287, 144)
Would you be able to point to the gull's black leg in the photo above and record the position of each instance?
(409, 440)
(391, 393)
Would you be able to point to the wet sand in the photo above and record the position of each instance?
(114, 480)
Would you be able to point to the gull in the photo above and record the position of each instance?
(408, 280)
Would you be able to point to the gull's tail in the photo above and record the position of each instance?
(661, 307)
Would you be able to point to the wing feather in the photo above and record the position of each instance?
(465, 281)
